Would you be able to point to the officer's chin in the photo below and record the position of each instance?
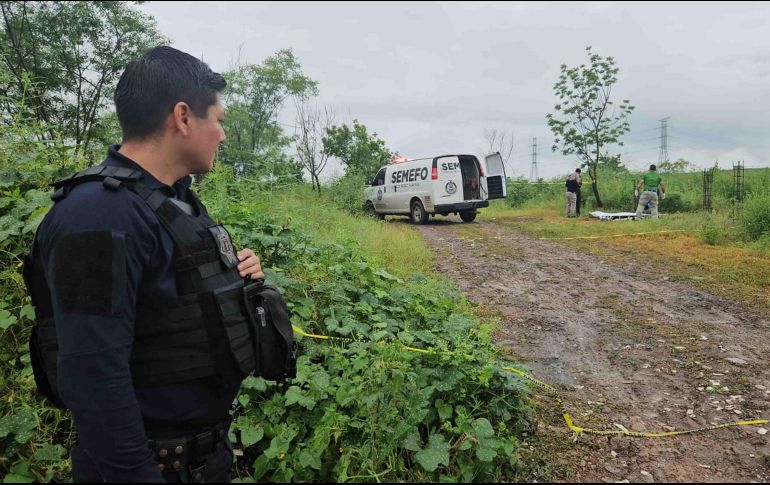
(200, 170)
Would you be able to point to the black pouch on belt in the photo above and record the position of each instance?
(274, 347)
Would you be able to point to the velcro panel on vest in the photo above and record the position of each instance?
(172, 367)
(182, 317)
(176, 349)
(85, 264)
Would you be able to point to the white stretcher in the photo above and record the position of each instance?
(614, 216)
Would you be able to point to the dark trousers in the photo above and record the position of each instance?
(217, 468)
(577, 204)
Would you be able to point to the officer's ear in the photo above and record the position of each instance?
(180, 118)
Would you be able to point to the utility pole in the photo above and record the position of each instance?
(663, 156)
(533, 175)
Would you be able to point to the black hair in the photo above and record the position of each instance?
(653, 167)
(152, 85)
(577, 170)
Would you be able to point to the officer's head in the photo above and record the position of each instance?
(171, 97)
(653, 167)
(577, 170)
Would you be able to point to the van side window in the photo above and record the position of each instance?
(380, 178)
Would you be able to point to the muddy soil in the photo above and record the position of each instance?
(626, 345)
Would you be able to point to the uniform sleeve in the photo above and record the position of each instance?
(95, 267)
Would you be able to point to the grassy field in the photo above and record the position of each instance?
(684, 191)
(733, 268)
(396, 247)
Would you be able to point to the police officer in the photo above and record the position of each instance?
(134, 277)
(573, 193)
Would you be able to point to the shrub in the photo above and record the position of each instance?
(347, 193)
(755, 217)
(712, 234)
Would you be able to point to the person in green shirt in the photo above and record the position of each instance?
(652, 183)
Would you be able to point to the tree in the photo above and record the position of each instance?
(679, 166)
(501, 142)
(361, 153)
(253, 99)
(591, 120)
(64, 59)
(311, 126)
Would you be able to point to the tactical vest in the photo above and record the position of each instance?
(220, 324)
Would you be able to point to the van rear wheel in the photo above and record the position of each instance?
(468, 216)
(418, 214)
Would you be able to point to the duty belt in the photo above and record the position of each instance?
(188, 454)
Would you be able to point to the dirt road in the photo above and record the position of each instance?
(624, 344)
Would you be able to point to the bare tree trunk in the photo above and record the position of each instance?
(317, 183)
(593, 172)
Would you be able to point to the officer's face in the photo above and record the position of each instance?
(206, 136)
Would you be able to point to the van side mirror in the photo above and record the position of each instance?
(368, 181)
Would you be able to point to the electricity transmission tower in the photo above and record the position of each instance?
(533, 175)
(663, 156)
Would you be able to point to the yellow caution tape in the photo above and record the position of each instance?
(633, 434)
(565, 414)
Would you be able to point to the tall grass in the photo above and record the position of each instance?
(333, 217)
(684, 191)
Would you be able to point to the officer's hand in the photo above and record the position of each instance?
(250, 264)
(663, 196)
(636, 193)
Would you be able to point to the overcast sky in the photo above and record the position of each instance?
(429, 78)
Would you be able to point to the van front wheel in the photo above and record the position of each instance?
(369, 209)
(419, 216)
(468, 216)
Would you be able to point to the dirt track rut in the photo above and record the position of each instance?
(624, 345)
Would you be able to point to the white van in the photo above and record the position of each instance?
(447, 184)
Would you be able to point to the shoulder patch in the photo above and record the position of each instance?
(85, 266)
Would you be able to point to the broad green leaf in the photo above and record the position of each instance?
(49, 452)
(6, 319)
(444, 410)
(251, 435)
(412, 442)
(309, 460)
(482, 428)
(436, 453)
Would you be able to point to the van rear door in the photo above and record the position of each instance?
(448, 188)
(495, 177)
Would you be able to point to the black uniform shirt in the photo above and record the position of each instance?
(95, 328)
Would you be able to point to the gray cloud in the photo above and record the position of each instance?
(430, 77)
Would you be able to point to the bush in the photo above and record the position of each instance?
(755, 217)
(676, 203)
(33, 436)
(520, 192)
(364, 408)
(347, 193)
(713, 234)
